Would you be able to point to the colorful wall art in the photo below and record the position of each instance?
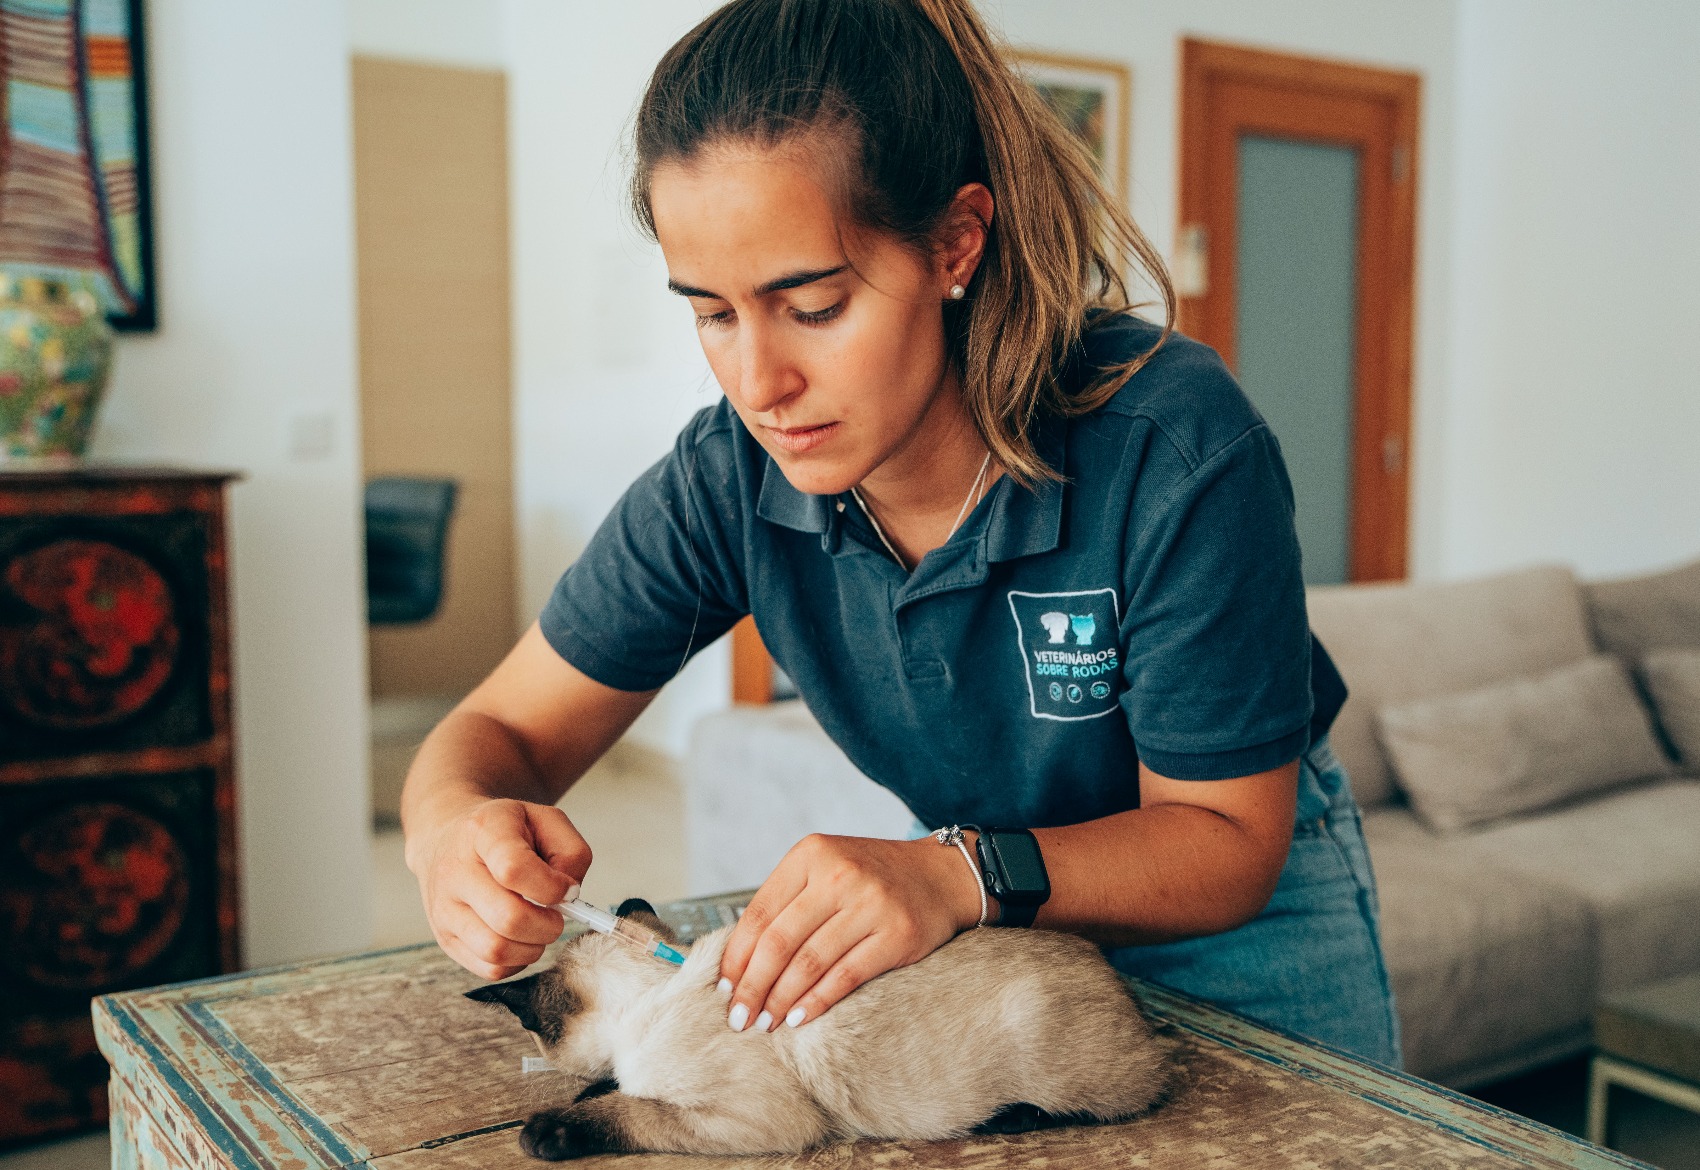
(1094, 99)
(74, 197)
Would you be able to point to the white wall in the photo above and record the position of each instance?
(606, 364)
(1573, 414)
(1416, 36)
(446, 32)
(606, 368)
(253, 365)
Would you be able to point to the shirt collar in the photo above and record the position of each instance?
(1027, 523)
(1030, 522)
(784, 505)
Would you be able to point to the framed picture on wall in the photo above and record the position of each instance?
(75, 203)
(1094, 98)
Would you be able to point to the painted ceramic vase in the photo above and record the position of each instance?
(55, 353)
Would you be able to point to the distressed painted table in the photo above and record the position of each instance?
(376, 1060)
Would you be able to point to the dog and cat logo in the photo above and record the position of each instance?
(1069, 647)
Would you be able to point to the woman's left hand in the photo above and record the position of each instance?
(836, 912)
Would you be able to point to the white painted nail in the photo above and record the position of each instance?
(724, 986)
(739, 1017)
(764, 1022)
(794, 1017)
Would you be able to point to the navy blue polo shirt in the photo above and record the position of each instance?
(1149, 607)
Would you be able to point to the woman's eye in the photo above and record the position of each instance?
(819, 316)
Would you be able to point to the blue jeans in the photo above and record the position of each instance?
(1311, 961)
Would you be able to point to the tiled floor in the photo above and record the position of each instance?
(91, 1152)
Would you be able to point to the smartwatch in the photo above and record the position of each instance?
(1014, 872)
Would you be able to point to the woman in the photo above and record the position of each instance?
(1030, 560)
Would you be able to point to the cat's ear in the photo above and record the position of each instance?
(642, 912)
(519, 996)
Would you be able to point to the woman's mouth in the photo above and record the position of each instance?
(797, 440)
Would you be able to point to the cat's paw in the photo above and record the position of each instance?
(558, 1134)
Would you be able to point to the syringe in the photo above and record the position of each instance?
(624, 929)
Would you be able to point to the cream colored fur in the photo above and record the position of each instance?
(991, 1019)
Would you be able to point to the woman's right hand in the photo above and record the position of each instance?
(488, 877)
(484, 838)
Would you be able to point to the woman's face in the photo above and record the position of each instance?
(834, 370)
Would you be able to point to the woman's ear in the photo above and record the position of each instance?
(962, 234)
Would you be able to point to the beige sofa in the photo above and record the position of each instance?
(1499, 936)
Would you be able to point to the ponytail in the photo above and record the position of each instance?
(932, 105)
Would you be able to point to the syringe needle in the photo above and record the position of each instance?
(623, 929)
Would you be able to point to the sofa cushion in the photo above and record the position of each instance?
(1484, 963)
(1633, 857)
(1521, 746)
(1632, 615)
(1673, 681)
(1399, 642)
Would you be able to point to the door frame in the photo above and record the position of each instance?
(752, 666)
(1227, 90)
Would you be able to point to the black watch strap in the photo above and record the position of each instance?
(1012, 914)
(1013, 871)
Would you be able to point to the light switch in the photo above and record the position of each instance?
(1191, 270)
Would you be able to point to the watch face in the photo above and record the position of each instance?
(1019, 859)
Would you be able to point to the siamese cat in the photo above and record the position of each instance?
(996, 1031)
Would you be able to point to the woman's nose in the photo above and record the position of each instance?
(766, 375)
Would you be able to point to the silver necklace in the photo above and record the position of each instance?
(976, 493)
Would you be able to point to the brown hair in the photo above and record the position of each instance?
(931, 105)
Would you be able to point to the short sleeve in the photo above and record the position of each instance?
(1218, 664)
(663, 575)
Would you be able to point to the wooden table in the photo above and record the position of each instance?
(1647, 1039)
(376, 1060)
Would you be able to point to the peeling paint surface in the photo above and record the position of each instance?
(377, 1060)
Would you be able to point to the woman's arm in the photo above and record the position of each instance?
(483, 835)
(1197, 858)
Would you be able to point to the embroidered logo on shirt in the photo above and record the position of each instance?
(1068, 647)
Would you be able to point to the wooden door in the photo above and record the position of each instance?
(1240, 107)
(752, 668)
(431, 230)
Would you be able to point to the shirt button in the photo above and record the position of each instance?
(841, 505)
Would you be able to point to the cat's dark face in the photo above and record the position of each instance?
(541, 1002)
(549, 1003)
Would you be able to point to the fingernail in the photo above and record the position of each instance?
(724, 986)
(739, 1017)
(572, 892)
(794, 1017)
(764, 1022)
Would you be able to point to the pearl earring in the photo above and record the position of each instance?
(957, 292)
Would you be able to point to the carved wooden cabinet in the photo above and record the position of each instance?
(117, 785)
